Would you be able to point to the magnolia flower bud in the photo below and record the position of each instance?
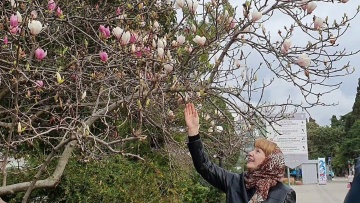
(103, 56)
(160, 43)
(168, 54)
(193, 28)
(192, 4)
(160, 52)
(14, 22)
(59, 78)
(303, 60)
(237, 63)
(287, 44)
(51, 5)
(40, 54)
(39, 84)
(156, 25)
(318, 23)
(19, 129)
(311, 7)
(19, 18)
(179, 3)
(168, 68)
(133, 48)
(256, 15)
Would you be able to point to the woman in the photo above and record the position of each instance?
(262, 182)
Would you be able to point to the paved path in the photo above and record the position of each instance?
(333, 192)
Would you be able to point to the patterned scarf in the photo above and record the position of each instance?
(269, 172)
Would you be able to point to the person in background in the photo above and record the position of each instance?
(353, 196)
(260, 184)
(350, 179)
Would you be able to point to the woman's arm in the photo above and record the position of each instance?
(290, 197)
(213, 174)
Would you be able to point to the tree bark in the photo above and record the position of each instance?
(49, 182)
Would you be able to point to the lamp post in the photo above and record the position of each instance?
(349, 166)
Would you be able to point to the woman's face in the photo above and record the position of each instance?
(255, 158)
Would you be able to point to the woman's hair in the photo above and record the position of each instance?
(266, 145)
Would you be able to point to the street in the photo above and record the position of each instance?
(333, 192)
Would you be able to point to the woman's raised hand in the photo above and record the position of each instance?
(192, 119)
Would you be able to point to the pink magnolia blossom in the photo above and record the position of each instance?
(118, 11)
(6, 41)
(14, 21)
(40, 54)
(105, 31)
(103, 56)
(133, 38)
(59, 12)
(138, 54)
(286, 46)
(51, 5)
(303, 60)
(311, 7)
(39, 84)
(146, 51)
(318, 23)
(14, 30)
(256, 15)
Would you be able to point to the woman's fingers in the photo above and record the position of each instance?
(190, 110)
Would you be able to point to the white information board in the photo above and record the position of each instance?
(291, 136)
(322, 171)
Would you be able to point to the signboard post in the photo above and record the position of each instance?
(322, 171)
(291, 136)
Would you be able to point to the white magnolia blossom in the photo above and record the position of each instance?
(199, 40)
(35, 27)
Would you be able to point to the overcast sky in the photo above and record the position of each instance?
(280, 90)
(345, 95)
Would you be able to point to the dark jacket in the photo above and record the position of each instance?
(353, 196)
(232, 183)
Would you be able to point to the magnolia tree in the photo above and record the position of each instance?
(75, 74)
